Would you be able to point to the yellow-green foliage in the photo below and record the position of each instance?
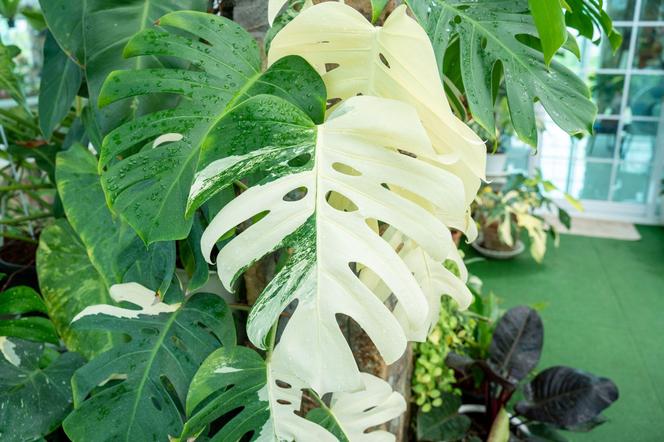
(453, 332)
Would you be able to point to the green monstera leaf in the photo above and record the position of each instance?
(114, 249)
(93, 33)
(269, 395)
(132, 391)
(489, 35)
(78, 260)
(321, 188)
(35, 392)
(150, 162)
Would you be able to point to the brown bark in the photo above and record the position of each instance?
(398, 375)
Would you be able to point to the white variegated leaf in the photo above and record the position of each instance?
(393, 61)
(368, 147)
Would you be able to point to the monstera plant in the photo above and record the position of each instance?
(341, 161)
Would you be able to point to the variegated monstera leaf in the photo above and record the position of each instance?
(394, 61)
(326, 193)
(268, 395)
(149, 163)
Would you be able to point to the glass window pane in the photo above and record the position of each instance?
(602, 143)
(645, 95)
(649, 48)
(638, 140)
(632, 181)
(621, 9)
(590, 180)
(607, 91)
(602, 56)
(652, 10)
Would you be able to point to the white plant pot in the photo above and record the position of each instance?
(495, 164)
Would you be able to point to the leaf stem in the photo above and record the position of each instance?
(272, 340)
(20, 238)
(14, 187)
(20, 219)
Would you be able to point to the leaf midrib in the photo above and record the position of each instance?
(148, 369)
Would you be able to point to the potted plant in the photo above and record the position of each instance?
(556, 398)
(504, 213)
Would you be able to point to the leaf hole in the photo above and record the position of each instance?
(282, 384)
(155, 403)
(331, 66)
(283, 402)
(299, 160)
(345, 169)
(405, 152)
(331, 102)
(383, 60)
(457, 19)
(340, 202)
(296, 194)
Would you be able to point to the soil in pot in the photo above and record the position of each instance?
(491, 239)
(17, 261)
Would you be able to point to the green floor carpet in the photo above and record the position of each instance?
(604, 313)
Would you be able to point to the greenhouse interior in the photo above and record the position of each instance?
(332, 220)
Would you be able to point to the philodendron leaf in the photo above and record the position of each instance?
(135, 391)
(94, 32)
(444, 423)
(350, 415)
(269, 394)
(566, 397)
(393, 61)
(517, 343)
(69, 282)
(487, 31)
(550, 22)
(60, 81)
(323, 185)
(237, 377)
(115, 250)
(21, 316)
(33, 399)
(148, 187)
(586, 16)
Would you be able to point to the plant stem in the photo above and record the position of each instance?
(272, 340)
(20, 219)
(14, 187)
(20, 238)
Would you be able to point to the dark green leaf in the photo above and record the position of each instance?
(94, 32)
(487, 31)
(587, 15)
(33, 400)
(564, 218)
(149, 186)
(325, 418)
(152, 370)
(33, 328)
(540, 432)
(114, 249)
(566, 397)
(550, 23)
(192, 258)
(19, 300)
(444, 423)
(517, 342)
(60, 81)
